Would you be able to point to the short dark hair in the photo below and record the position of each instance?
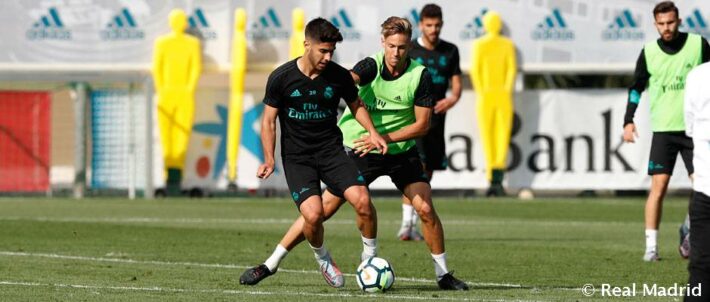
(431, 11)
(321, 30)
(396, 25)
(665, 7)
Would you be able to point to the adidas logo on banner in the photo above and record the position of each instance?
(413, 18)
(342, 21)
(553, 28)
(199, 24)
(198, 19)
(123, 26)
(295, 93)
(696, 23)
(623, 27)
(268, 26)
(49, 27)
(124, 17)
(474, 29)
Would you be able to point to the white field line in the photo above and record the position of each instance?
(215, 265)
(157, 220)
(246, 292)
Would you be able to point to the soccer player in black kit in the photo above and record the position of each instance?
(304, 94)
(441, 59)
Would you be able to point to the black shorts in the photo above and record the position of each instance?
(432, 146)
(403, 168)
(332, 166)
(665, 147)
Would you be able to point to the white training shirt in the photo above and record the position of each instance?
(697, 124)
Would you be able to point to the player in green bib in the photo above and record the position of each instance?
(663, 66)
(396, 90)
(390, 102)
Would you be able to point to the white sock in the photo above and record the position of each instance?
(273, 262)
(320, 252)
(407, 210)
(440, 265)
(415, 218)
(651, 240)
(369, 246)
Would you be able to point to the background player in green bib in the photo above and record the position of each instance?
(663, 66)
(441, 59)
(396, 91)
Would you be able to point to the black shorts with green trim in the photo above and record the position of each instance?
(402, 168)
(665, 147)
(305, 172)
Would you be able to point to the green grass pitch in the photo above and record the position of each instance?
(194, 250)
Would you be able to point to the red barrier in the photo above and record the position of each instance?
(25, 138)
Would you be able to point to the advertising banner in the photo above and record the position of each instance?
(549, 35)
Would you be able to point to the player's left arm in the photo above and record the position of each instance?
(456, 87)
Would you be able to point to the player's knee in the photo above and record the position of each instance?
(361, 201)
(362, 206)
(426, 212)
(313, 217)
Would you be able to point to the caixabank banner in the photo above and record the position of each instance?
(562, 139)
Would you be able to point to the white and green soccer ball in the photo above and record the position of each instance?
(375, 275)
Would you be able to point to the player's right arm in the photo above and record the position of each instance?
(272, 102)
(364, 71)
(641, 77)
(268, 141)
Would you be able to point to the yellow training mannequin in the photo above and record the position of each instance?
(239, 68)
(493, 75)
(297, 34)
(176, 68)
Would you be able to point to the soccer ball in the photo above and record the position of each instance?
(374, 275)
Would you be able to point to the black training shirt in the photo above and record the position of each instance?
(308, 108)
(442, 63)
